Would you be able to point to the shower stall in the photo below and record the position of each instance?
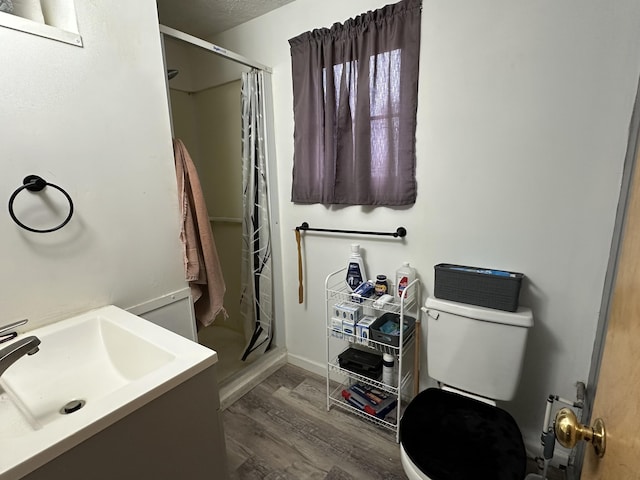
(217, 101)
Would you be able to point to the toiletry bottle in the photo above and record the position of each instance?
(404, 276)
(387, 369)
(355, 270)
(382, 286)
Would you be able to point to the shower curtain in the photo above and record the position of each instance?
(256, 301)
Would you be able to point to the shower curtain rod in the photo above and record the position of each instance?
(223, 52)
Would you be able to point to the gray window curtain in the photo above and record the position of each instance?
(355, 89)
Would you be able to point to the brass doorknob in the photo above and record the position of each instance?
(569, 431)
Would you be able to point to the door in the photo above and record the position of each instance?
(617, 399)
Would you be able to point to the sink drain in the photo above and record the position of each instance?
(72, 406)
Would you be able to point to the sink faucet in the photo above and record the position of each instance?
(7, 332)
(18, 349)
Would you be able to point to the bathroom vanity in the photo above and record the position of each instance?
(111, 395)
(178, 435)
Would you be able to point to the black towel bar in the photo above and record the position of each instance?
(399, 233)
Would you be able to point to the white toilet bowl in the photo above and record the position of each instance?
(447, 436)
(410, 468)
(458, 433)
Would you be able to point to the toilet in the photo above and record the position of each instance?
(456, 431)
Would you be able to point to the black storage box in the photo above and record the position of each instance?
(386, 328)
(365, 363)
(484, 287)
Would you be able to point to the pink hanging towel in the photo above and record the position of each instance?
(201, 263)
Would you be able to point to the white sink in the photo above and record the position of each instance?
(110, 359)
(14, 424)
(84, 359)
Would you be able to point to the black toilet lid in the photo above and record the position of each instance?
(451, 437)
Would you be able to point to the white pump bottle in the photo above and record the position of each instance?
(355, 269)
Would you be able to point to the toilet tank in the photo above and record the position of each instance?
(476, 349)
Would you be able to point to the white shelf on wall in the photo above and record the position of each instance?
(57, 14)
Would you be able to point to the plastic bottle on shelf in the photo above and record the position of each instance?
(355, 270)
(387, 369)
(404, 276)
(381, 286)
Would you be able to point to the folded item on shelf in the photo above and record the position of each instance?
(374, 395)
(361, 362)
(378, 410)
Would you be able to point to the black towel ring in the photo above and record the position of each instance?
(34, 183)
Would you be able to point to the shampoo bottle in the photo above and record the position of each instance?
(355, 270)
(404, 276)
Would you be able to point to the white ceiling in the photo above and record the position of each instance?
(204, 18)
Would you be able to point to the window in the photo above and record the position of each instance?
(355, 101)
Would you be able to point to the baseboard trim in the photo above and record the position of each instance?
(314, 367)
(234, 388)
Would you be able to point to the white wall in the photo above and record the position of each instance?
(184, 122)
(219, 127)
(522, 128)
(93, 120)
(178, 56)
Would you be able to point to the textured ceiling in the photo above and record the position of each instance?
(204, 18)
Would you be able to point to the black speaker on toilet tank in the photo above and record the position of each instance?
(485, 287)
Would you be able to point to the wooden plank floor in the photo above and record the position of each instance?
(281, 430)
